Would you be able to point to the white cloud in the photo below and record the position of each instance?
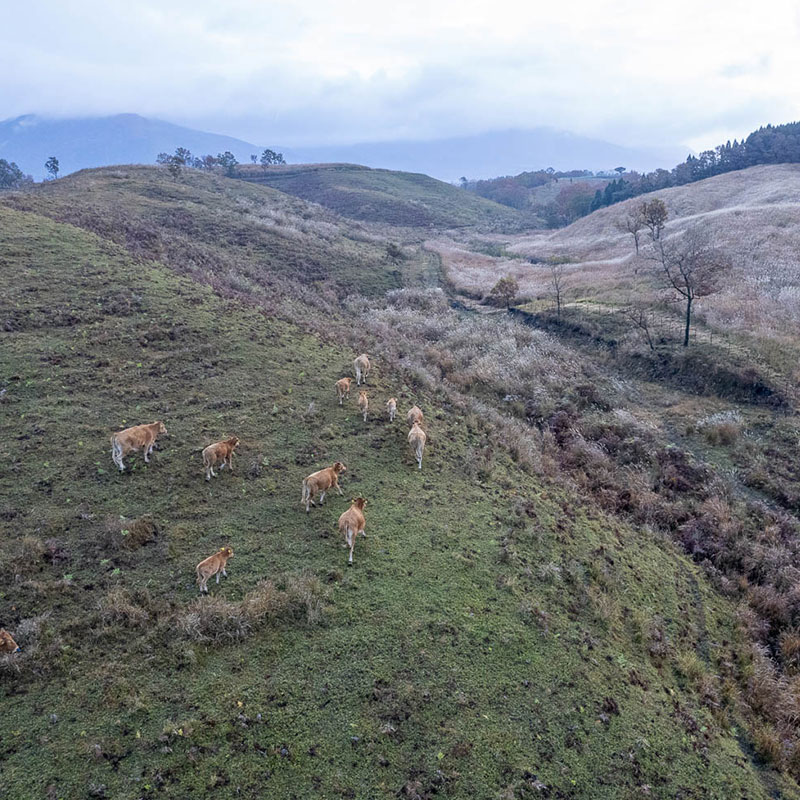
(362, 69)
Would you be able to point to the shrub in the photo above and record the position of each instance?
(213, 619)
(721, 428)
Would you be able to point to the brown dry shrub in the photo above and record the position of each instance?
(214, 619)
(767, 743)
(118, 608)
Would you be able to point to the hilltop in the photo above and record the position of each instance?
(519, 620)
(385, 196)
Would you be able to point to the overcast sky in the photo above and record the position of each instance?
(690, 72)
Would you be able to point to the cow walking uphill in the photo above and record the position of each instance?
(414, 416)
(363, 403)
(391, 408)
(361, 367)
(219, 453)
(321, 481)
(352, 522)
(139, 437)
(213, 565)
(343, 389)
(417, 439)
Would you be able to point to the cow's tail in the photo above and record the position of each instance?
(116, 450)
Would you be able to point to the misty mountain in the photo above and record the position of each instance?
(102, 141)
(132, 139)
(489, 155)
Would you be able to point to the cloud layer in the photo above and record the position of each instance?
(359, 70)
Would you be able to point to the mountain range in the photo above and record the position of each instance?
(132, 139)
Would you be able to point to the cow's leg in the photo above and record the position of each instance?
(218, 579)
(339, 489)
(351, 540)
(322, 498)
(363, 533)
(224, 574)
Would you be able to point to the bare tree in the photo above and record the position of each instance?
(558, 284)
(640, 317)
(633, 223)
(692, 266)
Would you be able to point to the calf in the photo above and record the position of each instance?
(343, 389)
(417, 438)
(219, 453)
(361, 368)
(139, 437)
(213, 565)
(320, 482)
(415, 416)
(7, 643)
(363, 404)
(351, 523)
(391, 407)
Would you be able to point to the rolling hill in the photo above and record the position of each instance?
(515, 624)
(751, 214)
(386, 196)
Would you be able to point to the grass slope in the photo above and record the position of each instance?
(206, 225)
(386, 196)
(492, 639)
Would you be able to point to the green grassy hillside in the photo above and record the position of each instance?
(496, 637)
(250, 238)
(386, 196)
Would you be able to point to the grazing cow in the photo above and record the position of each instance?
(343, 389)
(321, 481)
(213, 565)
(361, 368)
(139, 437)
(415, 416)
(7, 643)
(363, 403)
(351, 523)
(219, 453)
(391, 407)
(417, 439)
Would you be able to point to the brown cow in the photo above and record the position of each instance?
(321, 481)
(139, 437)
(361, 367)
(343, 389)
(351, 523)
(221, 452)
(213, 565)
(415, 416)
(363, 403)
(391, 407)
(417, 438)
(7, 643)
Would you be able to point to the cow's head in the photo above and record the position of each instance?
(7, 643)
(339, 468)
(161, 427)
(359, 502)
(233, 442)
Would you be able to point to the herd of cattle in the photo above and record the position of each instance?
(351, 522)
(220, 454)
